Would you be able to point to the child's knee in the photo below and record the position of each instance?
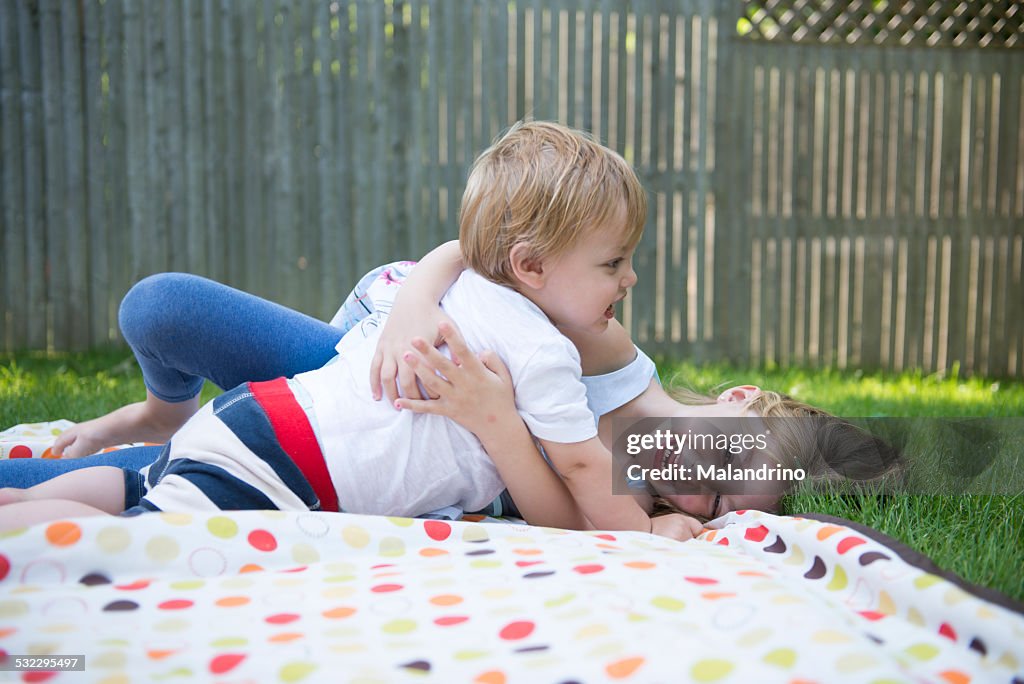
(150, 306)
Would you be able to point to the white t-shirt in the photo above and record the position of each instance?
(610, 391)
(384, 461)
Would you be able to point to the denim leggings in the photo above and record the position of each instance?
(184, 329)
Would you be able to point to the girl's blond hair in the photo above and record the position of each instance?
(830, 450)
(545, 185)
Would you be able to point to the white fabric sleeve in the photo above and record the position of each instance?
(611, 390)
(551, 399)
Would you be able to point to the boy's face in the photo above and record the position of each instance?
(582, 286)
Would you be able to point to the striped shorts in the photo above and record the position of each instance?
(251, 448)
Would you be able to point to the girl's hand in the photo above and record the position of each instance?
(474, 391)
(676, 526)
(409, 319)
(415, 312)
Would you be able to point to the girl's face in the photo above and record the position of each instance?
(717, 499)
(760, 496)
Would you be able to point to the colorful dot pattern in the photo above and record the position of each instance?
(314, 597)
(31, 440)
(35, 440)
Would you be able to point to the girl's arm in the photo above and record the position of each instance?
(415, 313)
(604, 352)
(477, 393)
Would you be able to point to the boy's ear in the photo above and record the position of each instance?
(526, 266)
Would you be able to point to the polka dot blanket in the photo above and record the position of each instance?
(331, 597)
(31, 440)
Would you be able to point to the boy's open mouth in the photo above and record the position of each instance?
(609, 313)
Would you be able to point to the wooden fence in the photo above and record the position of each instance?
(829, 186)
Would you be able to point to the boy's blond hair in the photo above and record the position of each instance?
(545, 185)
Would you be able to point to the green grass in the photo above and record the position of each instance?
(37, 387)
(979, 537)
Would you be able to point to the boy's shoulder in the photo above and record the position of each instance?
(497, 316)
(474, 294)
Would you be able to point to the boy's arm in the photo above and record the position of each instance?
(477, 393)
(586, 468)
(415, 313)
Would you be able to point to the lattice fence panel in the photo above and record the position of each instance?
(997, 23)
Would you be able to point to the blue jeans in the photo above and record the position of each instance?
(184, 329)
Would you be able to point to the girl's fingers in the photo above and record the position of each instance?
(388, 374)
(494, 364)
(456, 343)
(407, 381)
(433, 383)
(432, 357)
(418, 405)
(378, 360)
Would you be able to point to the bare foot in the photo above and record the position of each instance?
(152, 420)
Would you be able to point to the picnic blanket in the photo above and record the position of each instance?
(31, 440)
(317, 597)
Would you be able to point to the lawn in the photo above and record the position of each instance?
(979, 537)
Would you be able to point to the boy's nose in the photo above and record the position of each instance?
(629, 278)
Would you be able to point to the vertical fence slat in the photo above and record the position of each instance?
(917, 240)
(30, 52)
(151, 228)
(377, 72)
(232, 67)
(116, 207)
(646, 102)
(434, 133)
(138, 192)
(346, 109)
(666, 112)
(13, 169)
(194, 219)
(742, 294)
(867, 248)
(74, 327)
(415, 216)
(250, 131)
(54, 174)
(450, 33)
(603, 99)
(327, 217)
(519, 110)
(214, 214)
(586, 115)
(784, 223)
(98, 286)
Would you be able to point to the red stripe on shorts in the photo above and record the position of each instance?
(295, 434)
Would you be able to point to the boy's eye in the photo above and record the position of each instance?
(614, 263)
